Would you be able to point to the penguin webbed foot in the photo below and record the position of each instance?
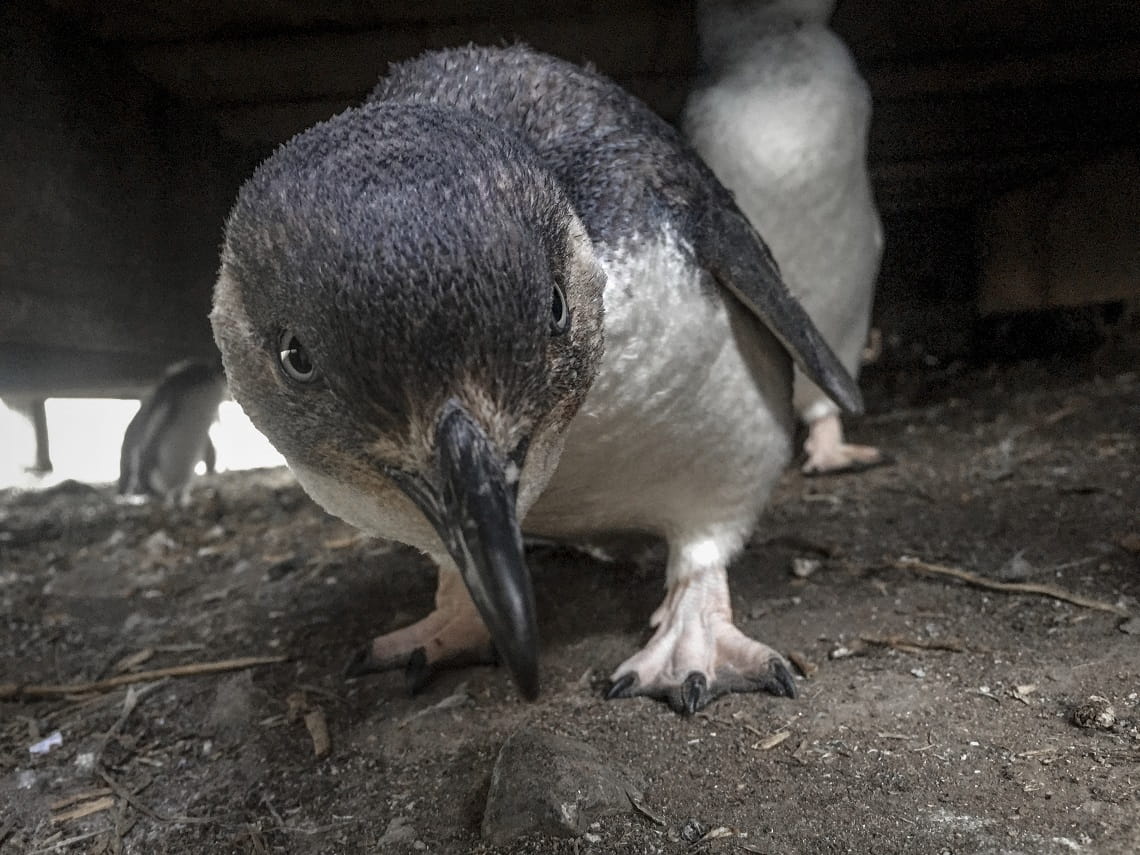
(829, 454)
(453, 635)
(697, 654)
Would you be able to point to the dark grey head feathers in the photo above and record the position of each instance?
(627, 173)
(422, 252)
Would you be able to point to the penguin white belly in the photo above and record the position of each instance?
(689, 421)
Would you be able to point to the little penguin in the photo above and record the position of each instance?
(170, 432)
(503, 295)
(781, 115)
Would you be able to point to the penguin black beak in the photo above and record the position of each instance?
(473, 510)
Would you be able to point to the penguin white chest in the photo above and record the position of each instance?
(689, 420)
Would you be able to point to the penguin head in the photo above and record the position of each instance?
(407, 300)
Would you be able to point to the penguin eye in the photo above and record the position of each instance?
(559, 313)
(295, 361)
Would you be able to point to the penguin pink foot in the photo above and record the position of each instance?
(452, 635)
(697, 654)
(828, 454)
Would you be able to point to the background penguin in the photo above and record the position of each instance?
(781, 115)
(170, 433)
(504, 290)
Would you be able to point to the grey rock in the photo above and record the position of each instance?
(399, 831)
(1094, 712)
(1130, 626)
(551, 784)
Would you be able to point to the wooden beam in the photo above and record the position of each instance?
(143, 21)
(961, 182)
(878, 30)
(106, 320)
(1096, 115)
(1069, 240)
(335, 66)
(77, 373)
(112, 201)
(953, 76)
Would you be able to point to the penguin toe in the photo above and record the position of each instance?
(779, 681)
(694, 693)
(684, 698)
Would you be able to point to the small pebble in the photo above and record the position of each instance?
(693, 830)
(47, 743)
(1095, 711)
(804, 567)
(1131, 626)
(159, 543)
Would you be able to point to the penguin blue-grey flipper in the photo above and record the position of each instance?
(738, 258)
(484, 302)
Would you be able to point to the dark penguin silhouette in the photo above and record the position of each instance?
(170, 432)
(502, 295)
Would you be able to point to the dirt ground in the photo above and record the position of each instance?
(939, 717)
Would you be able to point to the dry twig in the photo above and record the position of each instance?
(318, 731)
(130, 797)
(18, 691)
(640, 807)
(74, 798)
(56, 845)
(770, 742)
(85, 809)
(1057, 593)
(911, 645)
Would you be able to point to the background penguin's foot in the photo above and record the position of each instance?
(452, 636)
(697, 654)
(828, 454)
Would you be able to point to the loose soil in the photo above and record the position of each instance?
(937, 717)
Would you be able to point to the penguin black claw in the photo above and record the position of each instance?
(694, 693)
(781, 683)
(361, 663)
(621, 687)
(417, 673)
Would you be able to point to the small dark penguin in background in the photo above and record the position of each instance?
(781, 115)
(504, 295)
(169, 434)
